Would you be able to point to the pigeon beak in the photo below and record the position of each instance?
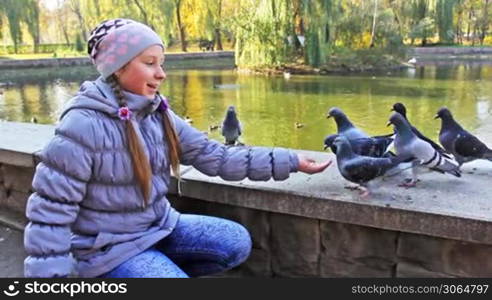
(325, 147)
(328, 116)
(388, 124)
(436, 117)
(392, 109)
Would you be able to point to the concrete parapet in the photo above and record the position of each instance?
(82, 61)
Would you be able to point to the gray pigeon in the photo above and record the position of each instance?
(463, 145)
(362, 169)
(376, 146)
(400, 108)
(231, 127)
(344, 126)
(408, 144)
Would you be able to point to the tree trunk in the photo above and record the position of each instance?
(468, 27)
(485, 23)
(218, 37)
(144, 13)
(76, 9)
(373, 32)
(182, 31)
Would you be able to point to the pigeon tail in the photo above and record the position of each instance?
(488, 154)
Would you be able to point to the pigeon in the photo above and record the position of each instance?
(344, 126)
(463, 145)
(407, 143)
(231, 127)
(362, 169)
(400, 108)
(376, 146)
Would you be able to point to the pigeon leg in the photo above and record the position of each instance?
(410, 182)
(352, 187)
(364, 192)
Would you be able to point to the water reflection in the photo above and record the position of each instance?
(269, 107)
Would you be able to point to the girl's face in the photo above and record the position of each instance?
(143, 74)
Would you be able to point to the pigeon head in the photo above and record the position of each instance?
(231, 118)
(335, 112)
(231, 111)
(443, 113)
(329, 140)
(397, 120)
(342, 143)
(400, 108)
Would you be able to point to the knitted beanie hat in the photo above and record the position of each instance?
(114, 43)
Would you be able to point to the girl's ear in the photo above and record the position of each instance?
(120, 71)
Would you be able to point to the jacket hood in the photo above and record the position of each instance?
(98, 95)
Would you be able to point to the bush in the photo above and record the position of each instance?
(79, 45)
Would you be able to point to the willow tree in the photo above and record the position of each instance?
(317, 16)
(444, 20)
(13, 10)
(31, 18)
(208, 20)
(78, 7)
(423, 22)
(262, 28)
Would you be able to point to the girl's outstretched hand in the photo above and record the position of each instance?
(308, 165)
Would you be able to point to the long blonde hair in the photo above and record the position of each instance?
(141, 164)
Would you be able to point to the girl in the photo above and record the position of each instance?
(100, 190)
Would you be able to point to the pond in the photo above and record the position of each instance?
(270, 106)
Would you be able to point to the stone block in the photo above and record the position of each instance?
(340, 267)
(1, 175)
(446, 256)
(16, 201)
(295, 246)
(18, 178)
(258, 264)
(374, 247)
(3, 195)
(413, 270)
(255, 221)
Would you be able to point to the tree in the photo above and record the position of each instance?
(444, 20)
(181, 26)
(317, 15)
(76, 7)
(31, 18)
(79, 45)
(422, 19)
(13, 10)
(371, 45)
(262, 28)
(484, 21)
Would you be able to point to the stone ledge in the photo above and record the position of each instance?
(441, 206)
(79, 61)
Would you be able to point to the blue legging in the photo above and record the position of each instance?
(199, 245)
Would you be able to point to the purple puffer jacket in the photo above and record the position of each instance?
(87, 210)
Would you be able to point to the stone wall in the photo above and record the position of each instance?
(82, 61)
(450, 50)
(292, 246)
(15, 187)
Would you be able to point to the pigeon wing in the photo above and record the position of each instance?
(431, 142)
(468, 145)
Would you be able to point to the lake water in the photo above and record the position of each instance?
(269, 107)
